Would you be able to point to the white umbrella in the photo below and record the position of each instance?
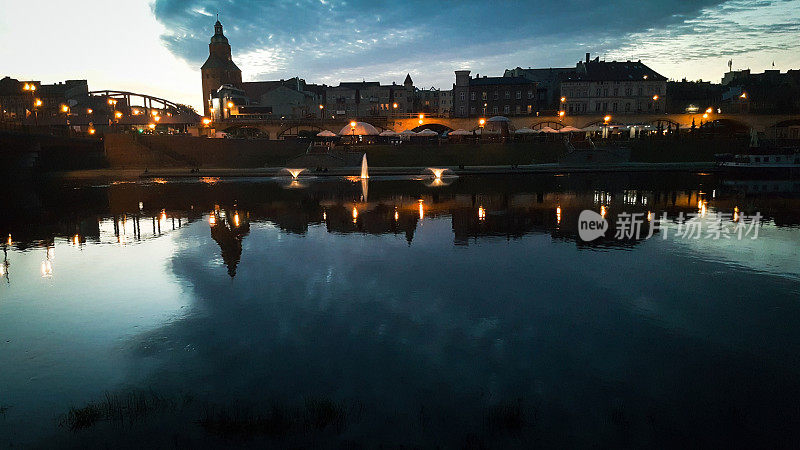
(388, 133)
(569, 129)
(460, 132)
(407, 133)
(547, 130)
(326, 133)
(427, 132)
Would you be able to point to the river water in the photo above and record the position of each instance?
(454, 312)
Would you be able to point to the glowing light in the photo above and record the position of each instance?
(709, 110)
(396, 215)
(9, 241)
(76, 239)
(89, 111)
(156, 118)
(91, 131)
(209, 180)
(47, 269)
(607, 119)
(649, 216)
(421, 116)
(644, 77)
(152, 126)
(64, 108)
(562, 113)
(353, 124)
(482, 121)
(159, 181)
(421, 210)
(230, 105)
(602, 210)
(394, 105)
(655, 98)
(563, 99)
(558, 214)
(206, 121)
(320, 106)
(744, 95)
(355, 214)
(236, 219)
(705, 116)
(324, 215)
(38, 102)
(154, 113)
(481, 213)
(735, 213)
(212, 219)
(117, 114)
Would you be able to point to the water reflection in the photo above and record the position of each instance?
(479, 291)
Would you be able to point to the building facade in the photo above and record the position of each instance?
(370, 99)
(433, 101)
(548, 90)
(600, 87)
(492, 96)
(219, 69)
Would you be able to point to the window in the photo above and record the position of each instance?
(508, 95)
(517, 109)
(597, 106)
(496, 95)
(616, 92)
(471, 96)
(461, 110)
(530, 108)
(614, 106)
(506, 109)
(462, 95)
(519, 95)
(471, 110)
(627, 107)
(530, 94)
(483, 95)
(494, 109)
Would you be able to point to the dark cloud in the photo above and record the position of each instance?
(324, 39)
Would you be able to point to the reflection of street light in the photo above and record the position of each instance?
(562, 113)
(563, 99)
(709, 111)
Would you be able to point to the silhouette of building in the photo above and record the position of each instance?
(219, 68)
(626, 87)
(491, 96)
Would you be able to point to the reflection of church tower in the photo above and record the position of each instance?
(229, 231)
(219, 68)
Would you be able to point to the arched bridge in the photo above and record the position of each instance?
(131, 108)
(279, 129)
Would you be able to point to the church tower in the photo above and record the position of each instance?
(219, 68)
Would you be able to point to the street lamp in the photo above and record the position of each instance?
(607, 119)
(353, 129)
(561, 114)
(655, 98)
(563, 99)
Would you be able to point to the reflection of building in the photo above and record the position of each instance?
(219, 68)
(492, 96)
(599, 87)
(228, 229)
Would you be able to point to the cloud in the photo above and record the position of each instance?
(329, 40)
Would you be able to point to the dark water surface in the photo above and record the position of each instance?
(462, 313)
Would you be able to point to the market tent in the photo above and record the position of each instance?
(460, 132)
(570, 129)
(360, 129)
(547, 130)
(388, 133)
(427, 133)
(326, 133)
(526, 131)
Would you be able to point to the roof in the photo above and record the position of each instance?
(358, 84)
(614, 71)
(408, 79)
(218, 63)
(488, 81)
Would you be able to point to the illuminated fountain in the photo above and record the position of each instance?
(439, 177)
(437, 173)
(294, 172)
(364, 171)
